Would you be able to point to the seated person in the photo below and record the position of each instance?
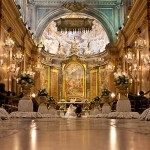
(78, 111)
(35, 105)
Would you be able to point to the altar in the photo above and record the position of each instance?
(75, 103)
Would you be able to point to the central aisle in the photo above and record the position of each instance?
(74, 134)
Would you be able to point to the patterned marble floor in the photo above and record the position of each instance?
(74, 134)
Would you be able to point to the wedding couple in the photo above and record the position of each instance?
(73, 112)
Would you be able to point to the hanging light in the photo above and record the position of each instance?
(140, 43)
(13, 69)
(18, 57)
(9, 42)
(129, 57)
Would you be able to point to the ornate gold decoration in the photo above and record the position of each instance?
(73, 61)
(74, 6)
(74, 24)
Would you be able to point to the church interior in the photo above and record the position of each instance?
(74, 74)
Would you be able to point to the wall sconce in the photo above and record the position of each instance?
(146, 61)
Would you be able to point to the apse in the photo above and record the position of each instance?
(87, 42)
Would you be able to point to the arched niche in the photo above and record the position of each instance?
(94, 13)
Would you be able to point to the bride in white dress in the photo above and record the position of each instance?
(70, 112)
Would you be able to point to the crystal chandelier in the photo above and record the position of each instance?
(9, 42)
(18, 57)
(13, 69)
(129, 57)
(140, 43)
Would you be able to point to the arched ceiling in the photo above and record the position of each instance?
(86, 43)
(39, 15)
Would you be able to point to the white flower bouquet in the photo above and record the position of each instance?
(121, 79)
(25, 79)
(42, 92)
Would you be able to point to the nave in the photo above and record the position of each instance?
(74, 134)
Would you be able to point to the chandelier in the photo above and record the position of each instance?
(129, 57)
(9, 42)
(18, 57)
(140, 43)
(13, 69)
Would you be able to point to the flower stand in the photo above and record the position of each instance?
(26, 92)
(123, 104)
(123, 108)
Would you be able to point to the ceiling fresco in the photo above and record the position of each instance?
(81, 43)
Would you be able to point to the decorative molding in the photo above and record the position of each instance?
(88, 2)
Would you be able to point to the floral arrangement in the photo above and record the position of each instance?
(121, 79)
(86, 108)
(25, 79)
(105, 92)
(42, 92)
(95, 101)
(51, 99)
(62, 108)
(85, 100)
